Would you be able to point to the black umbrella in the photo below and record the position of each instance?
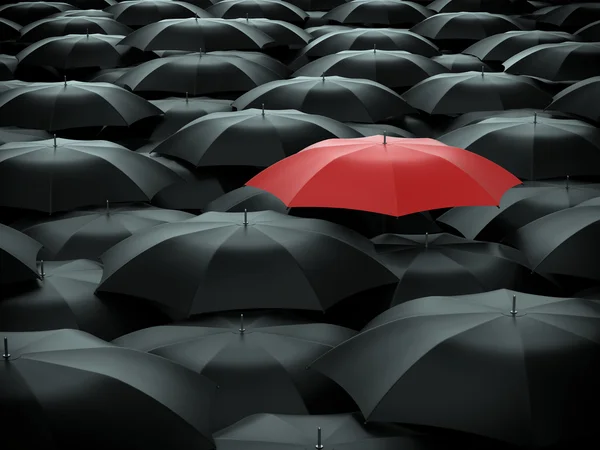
(198, 34)
(231, 261)
(489, 6)
(247, 198)
(108, 75)
(86, 234)
(8, 65)
(579, 99)
(16, 134)
(25, 13)
(319, 6)
(381, 66)
(393, 13)
(66, 387)
(61, 26)
(259, 58)
(533, 148)
(63, 297)
(264, 9)
(198, 74)
(590, 32)
(364, 39)
(459, 63)
(179, 112)
(566, 61)
(62, 174)
(321, 30)
(518, 207)
(442, 264)
(12, 84)
(141, 13)
(374, 129)
(457, 93)
(18, 255)
(9, 30)
(500, 47)
(283, 33)
(97, 104)
(571, 16)
(480, 364)
(562, 243)
(258, 368)
(77, 51)
(250, 137)
(83, 13)
(343, 99)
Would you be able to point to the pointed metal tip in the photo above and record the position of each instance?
(245, 217)
(384, 137)
(42, 272)
(242, 329)
(263, 109)
(6, 355)
(514, 311)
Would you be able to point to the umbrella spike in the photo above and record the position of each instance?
(245, 217)
(54, 142)
(42, 273)
(107, 207)
(534, 118)
(482, 70)
(65, 80)
(323, 76)
(384, 137)
(319, 445)
(426, 239)
(374, 48)
(247, 17)
(6, 355)
(187, 97)
(567, 184)
(242, 329)
(263, 109)
(514, 311)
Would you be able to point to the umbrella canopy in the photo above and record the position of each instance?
(63, 297)
(458, 93)
(489, 6)
(9, 30)
(589, 33)
(16, 134)
(198, 34)
(562, 243)
(18, 255)
(381, 66)
(343, 99)
(478, 363)
(316, 5)
(268, 137)
(579, 99)
(198, 74)
(500, 47)
(263, 9)
(141, 13)
(566, 61)
(61, 26)
(374, 129)
(97, 104)
(531, 147)
(25, 13)
(88, 233)
(77, 51)
(322, 30)
(179, 112)
(518, 207)
(8, 65)
(442, 264)
(83, 13)
(257, 368)
(392, 176)
(364, 39)
(459, 63)
(572, 16)
(393, 13)
(63, 174)
(243, 261)
(282, 32)
(68, 387)
(247, 198)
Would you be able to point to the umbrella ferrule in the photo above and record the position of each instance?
(319, 445)
(42, 273)
(187, 97)
(242, 329)
(107, 207)
(6, 355)
(245, 217)
(514, 311)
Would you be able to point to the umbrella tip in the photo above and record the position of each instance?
(482, 70)
(107, 207)
(319, 445)
(384, 137)
(323, 76)
(65, 80)
(6, 355)
(187, 97)
(374, 48)
(514, 311)
(567, 184)
(54, 138)
(245, 217)
(534, 117)
(242, 329)
(42, 273)
(263, 109)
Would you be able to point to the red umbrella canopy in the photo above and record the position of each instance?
(386, 175)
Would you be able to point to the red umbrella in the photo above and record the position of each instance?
(392, 176)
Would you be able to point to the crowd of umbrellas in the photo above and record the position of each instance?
(288, 225)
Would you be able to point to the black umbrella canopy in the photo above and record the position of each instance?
(61, 26)
(500, 47)
(198, 74)
(364, 39)
(590, 32)
(533, 148)
(198, 34)
(63, 297)
(459, 63)
(8, 65)
(489, 6)
(478, 363)
(265, 9)
(77, 51)
(97, 104)
(25, 13)
(381, 66)
(343, 99)
(566, 61)
(572, 16)
(250, 137)
(83, 13)
(257, 368)
(18, 255)
(247, 198)
(63, 174)
(442, 264)
(458, 93)
(68, 387)
(9, 30)
(108, 75)
(579, 99)
(372, 129)
(179, 112)
(518, 207)
(259, 58)
(319, 6)
(393, 13)
(141, 13)
(284, 33)
(321, 30)
(562, 243)
(255, 261)
(16, 134)
(89, 233)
